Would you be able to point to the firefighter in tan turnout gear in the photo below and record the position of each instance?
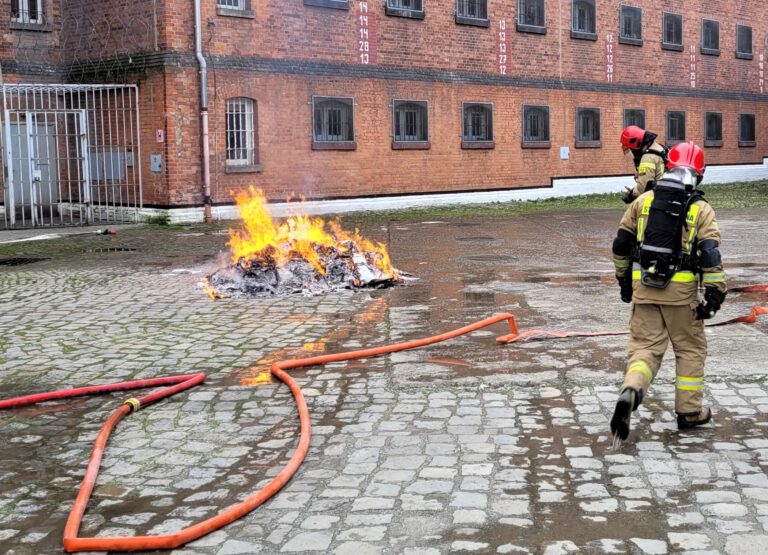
(666, 245)
(648, 156)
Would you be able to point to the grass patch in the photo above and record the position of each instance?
(753, 194)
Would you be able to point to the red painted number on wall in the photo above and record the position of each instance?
(609, 60)
(502, 47)
(366, 33)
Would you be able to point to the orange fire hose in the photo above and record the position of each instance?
(73, 543)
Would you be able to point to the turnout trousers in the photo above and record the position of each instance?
(651, 328)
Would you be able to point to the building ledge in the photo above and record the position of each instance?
(254, 168)
(747, 144)
(229, 12)
(672, 46)
(411, 145)
(478, 145)
(745, 55)
(535, 29)
(473, 21)
(536, 144)
(334, 145)
(713, 143)
(402, 12)
(335, 4)
(589, 144)
(630, 41)
(583, 35)
(710, 51)
(39, 27)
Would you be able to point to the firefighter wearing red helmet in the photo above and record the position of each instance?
(667, 246)
(648, 157)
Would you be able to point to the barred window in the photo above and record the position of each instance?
(405, 8)
(587, 127)
(713, 129)
(747, 130)
(634, 116)
(583, 18)
(672, 31)
(333, 120)
(675, 127)
(631, 25)
(530, 16)
(473, 9)
(410, 121)
(478, 122)
(744, 42)
(710, 37)
(27, 11)
(535, 126)
(241, 132)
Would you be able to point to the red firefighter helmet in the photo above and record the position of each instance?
(687, 155)
(632, 137)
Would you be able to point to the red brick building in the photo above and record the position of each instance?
(351, 98)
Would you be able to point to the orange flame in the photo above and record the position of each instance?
(210, 291)
(299, 236)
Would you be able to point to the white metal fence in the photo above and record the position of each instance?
(71, 154)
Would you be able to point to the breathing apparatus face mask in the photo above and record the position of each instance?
(687, 176)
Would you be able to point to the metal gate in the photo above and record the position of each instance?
(71, 155)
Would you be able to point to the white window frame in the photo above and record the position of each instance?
(246, 108)
(23, 17)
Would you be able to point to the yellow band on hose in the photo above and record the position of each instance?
(134, 403)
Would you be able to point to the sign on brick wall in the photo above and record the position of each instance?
(609, 60)
(693, 66)
(366, 32)
(502, 36)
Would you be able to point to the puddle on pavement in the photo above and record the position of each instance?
(21, 261)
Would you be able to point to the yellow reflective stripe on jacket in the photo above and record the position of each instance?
(642, 367)
(690, 221)
(714, 277)
(621, 262)
(645, 166)
(679, 277)
(689, 384)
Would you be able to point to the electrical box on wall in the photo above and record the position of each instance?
(155, 163)
(565, 153)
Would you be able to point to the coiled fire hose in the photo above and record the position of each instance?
(73, 543)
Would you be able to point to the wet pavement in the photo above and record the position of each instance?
(467, 446)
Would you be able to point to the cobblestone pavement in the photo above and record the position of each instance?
(465, 447)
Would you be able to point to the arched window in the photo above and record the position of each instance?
(240, 126)
(478, 122)
(587, 127)
(333, 120)
(536, 126)
(410, 121)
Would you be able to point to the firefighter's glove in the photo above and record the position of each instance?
(625, 285)
(628, 197)
(713, 299)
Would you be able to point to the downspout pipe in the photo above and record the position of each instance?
(207, 216)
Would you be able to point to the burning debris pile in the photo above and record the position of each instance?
(301, 255)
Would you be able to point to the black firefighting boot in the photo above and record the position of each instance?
(687, 421)
(629, 399)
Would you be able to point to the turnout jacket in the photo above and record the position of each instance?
(700, 224)
(650, 168)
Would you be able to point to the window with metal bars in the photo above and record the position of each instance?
(631, 25)
(27, 11)
(747, 130)
(634, 116)
(672, 31)
(710, 37)
(478, 123)
(472, 9)
(675, 127)
(713, 129)
(333, 120)
(583, 19)
(536, 126)
(405, 8)
(530, 16)
(410, 121)
(588, 127)
(241, 132)
(744, 42)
